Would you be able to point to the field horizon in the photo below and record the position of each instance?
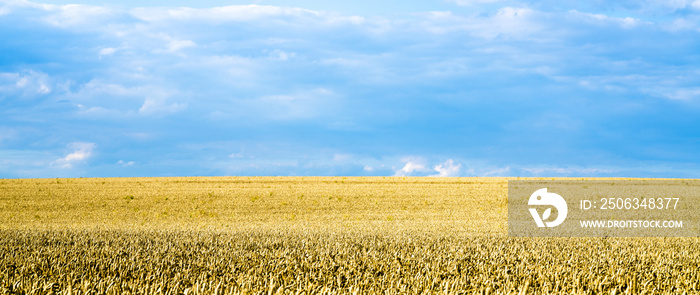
(237, 203)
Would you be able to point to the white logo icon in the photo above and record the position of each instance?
(542, 197)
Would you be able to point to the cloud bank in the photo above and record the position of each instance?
(490, 88)
(81, 152)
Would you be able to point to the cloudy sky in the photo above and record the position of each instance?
(307, 87)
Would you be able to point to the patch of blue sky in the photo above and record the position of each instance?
(429, 88)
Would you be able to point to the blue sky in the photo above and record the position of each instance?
(419, 88)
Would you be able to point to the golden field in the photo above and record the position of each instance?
(286, 235)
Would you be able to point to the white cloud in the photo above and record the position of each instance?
(681, 24)
(447, 169)
(100, 87)
(107, 51)
(686, 94)
(26, 84)
(167, 44)
(507, 23)
(624, 22)
(104, 99)
(24, 4)
(233, 13)
(236, 156)
(159, 105)
(513, 22)
(342, 157)
(665, 6)
(291, 18)
(281, 55)
(409, 168)
(125, 164)
(417, 166)
(372, 68)
(497, 172)
(231, 68)
(81, 152)
(177, 45)
(240, 154)
(4, 10)
(82, 17)
(412, 165)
